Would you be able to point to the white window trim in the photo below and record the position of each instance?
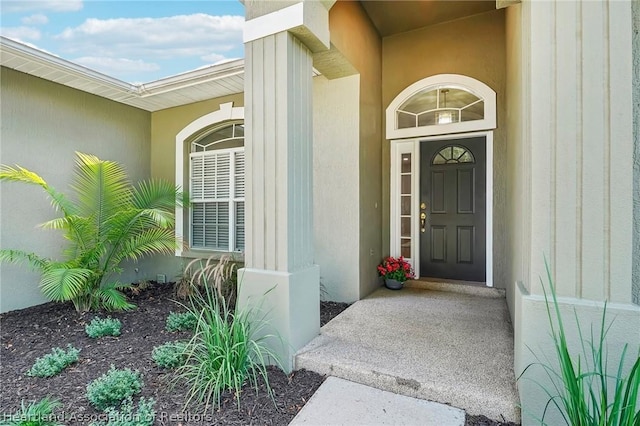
(226, 112)
(412, 146)
(472, 85)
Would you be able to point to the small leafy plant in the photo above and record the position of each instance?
(585, 391)
(395, 268)
(100, 327)
(183, 321)
(170, 354)
(54, 362)
(127, 416)
(40, 413)
(113, 387)
(225, 353)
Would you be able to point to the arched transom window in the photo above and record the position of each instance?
(441, 104)
(216, 187)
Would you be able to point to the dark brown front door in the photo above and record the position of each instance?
(453, 209)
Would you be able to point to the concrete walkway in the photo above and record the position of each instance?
(341, 402)
(453, 347)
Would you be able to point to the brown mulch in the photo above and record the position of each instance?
(484, 421)
(30, 333)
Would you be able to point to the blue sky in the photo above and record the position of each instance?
(135, 41)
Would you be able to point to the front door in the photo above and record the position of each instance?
(453, 209)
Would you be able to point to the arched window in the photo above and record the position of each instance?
(210, 166)
(441, 104)
(216, 177)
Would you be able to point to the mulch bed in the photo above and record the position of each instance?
(30, 333)
(484, 421)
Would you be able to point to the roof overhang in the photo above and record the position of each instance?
(398, 16)
(194, 86)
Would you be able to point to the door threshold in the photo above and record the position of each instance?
(456, 286)
(450, 281)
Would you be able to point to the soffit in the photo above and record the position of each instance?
(194, 86)
(398, 16)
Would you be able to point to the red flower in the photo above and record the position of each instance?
(395, 268)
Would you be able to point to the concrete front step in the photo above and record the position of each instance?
(451, 348)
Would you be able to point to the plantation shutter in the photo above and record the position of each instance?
(217, 188)
(239, 203)
(210, 196)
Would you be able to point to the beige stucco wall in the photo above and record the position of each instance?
(635, 17)
(336, 204)
(474, 47)
(43, 124)
(518, 213)
(353, 34)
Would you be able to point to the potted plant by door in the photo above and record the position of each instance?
(395, 271)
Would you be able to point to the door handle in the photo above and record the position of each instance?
(423, 216)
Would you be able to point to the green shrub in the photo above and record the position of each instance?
(54, 362)
(106, 222)
(35, 414)
(126, 416)
(170, 354)
(181, 321)
(113, 387)
(584, 390)
(224, 352)
(100, 327)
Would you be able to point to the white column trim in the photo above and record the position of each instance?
(308, 20)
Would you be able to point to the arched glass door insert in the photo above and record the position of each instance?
(454, 154)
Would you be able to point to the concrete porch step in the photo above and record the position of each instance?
(451, 348)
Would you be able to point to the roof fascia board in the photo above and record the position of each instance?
(139, 95)
(47, 59)
(192, 78)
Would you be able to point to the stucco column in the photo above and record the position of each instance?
(576, 139)
(280, 277)
(581, 146)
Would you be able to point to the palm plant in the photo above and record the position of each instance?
(107, 221)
